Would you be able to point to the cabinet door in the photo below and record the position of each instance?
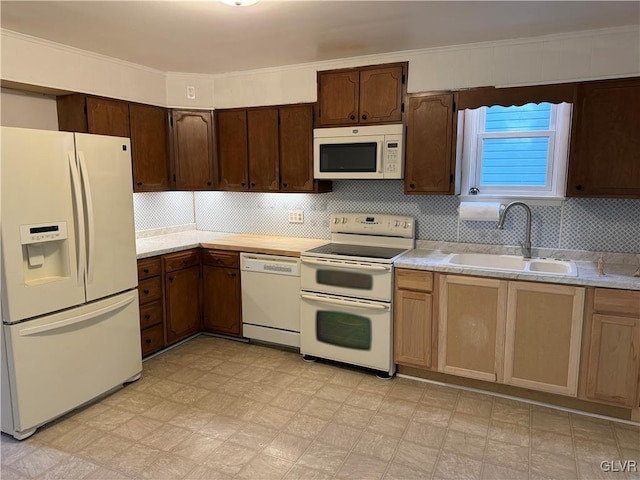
(262, 126)
(108, 117)
(182, 299)
(613, 367)
(192, 149)
(542, 344)
(471, 327)
(150, 150)
(381, 92)
(605, 140)
(233, 169)
(296, 148)
(429, 167)
(413, 328)
(338, 97)
(222, 301)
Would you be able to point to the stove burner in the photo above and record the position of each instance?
(362, 251)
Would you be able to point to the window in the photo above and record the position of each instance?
(516, 151)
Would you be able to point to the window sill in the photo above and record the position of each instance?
(504, 199)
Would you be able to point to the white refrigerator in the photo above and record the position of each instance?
(70, 320)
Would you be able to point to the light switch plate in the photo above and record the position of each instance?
(296, 216)
(191, 93)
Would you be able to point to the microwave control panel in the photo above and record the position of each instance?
(393, 157)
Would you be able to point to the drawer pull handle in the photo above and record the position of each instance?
(184, 262)
(146, 292)
(146, 270)
(148, 341)
(218, 260)
(147, 316)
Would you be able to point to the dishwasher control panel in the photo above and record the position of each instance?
(273, 264)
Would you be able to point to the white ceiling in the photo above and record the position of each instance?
(210, 37)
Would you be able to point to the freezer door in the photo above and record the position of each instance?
(40, 245)
(61, 361)
(105, 168)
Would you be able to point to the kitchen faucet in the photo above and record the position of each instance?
(526, 246)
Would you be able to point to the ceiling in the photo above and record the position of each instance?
(210, 37)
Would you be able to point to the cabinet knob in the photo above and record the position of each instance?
(147, 316)
(412, 185)
(209, 183)
(242, 184)
(147, 341)
(146, 270)
(253, 184)
(285, 185)
(139, 184)
(578, 187)
(185, 262)
(218, 260)
(146, 292)
(232, 274)
(352, 117)
(171, 279)
(364, 117)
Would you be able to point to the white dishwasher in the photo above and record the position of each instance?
(271, 298)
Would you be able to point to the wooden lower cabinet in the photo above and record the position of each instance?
(150, 299)
(222, 302)
(471, 326)
(413, 318)
(612, 347)
(542, 340)
(181, 295)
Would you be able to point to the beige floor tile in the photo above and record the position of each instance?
(86, 413)
(334, 393)
(11, 474)
(411, 392)
(372, 384)
(262, 393)
(594, 470)
(318, 371)
(306, 386)
(451, 465)
(163, 388)
(205, 473)
(110, 419)
(595, 450)
(35, 463)
(388, 424)
(105, 448)
(590, 428)
(291, 401)
(305, 426)
(265, 467)
(497, 472)
(215, 402)
(507, 455)
(326, 458)
(550, 466)
(347, 378)
(400, 471)
(367, 400)
(551, 442)
(440, 396)
(287, 446)
(474, 406)
(188, 395)
(358, 466)
(511, 411)
(465, 444)
(188, 375)
(135, 460)
(103, 473)
(416, 457)
(273, 417)
(470, 424)
(300, 472)
(321, 407)
(509, 433)
(550, 422)
(397, 407)
(169, 466)
(205, 364)
(191, 418)
(254, 374)
(436, 416)
(353, 416)
(376, 445)
(137, 428)
(338, 435)
(425, 434)
(236, 387)
(628, 437)
(254, 436)
(165, 437)
(230, 458)
(76, 439)
(243, 409)
(196, 447)
(212, 381)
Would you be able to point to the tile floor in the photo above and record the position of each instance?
(216, 409)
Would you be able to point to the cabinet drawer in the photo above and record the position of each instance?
(221, 258)
(150, 289)
(150, 314)
(151, 339)
(149, 267)
(418, 280)
(621, 302)
(178, 261)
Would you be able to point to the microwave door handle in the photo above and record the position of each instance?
(355, 266)
(345, 303)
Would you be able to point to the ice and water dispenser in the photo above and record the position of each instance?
(45, 252)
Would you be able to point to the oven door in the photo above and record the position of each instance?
(348, 157)
(353, 279)
(358, 332)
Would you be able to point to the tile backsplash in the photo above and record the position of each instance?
(606, 225)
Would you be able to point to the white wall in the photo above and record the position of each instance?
(28, 110)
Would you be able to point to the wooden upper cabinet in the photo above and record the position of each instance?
(429, 165)
(108, 117)
(232, 158)
(192, 137)
(604, 160)
(381, 94)
(338, 97)
(296, 148)
(150, 149)
(361, 96)
(262, 127)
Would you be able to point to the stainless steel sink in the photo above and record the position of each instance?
(513, 263)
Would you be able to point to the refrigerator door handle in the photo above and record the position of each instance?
(90, 218)
(74, 320)
(77, 193)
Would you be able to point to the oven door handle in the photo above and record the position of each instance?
(355, 266)
(345, 303)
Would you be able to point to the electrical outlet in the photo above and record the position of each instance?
(296, 216)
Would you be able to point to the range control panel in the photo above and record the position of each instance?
(373, 224)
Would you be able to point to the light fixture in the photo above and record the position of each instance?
(239, 3)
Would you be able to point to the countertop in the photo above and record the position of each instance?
(617, 275)
(151, 246)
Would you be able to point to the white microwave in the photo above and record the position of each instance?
(370, 152)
